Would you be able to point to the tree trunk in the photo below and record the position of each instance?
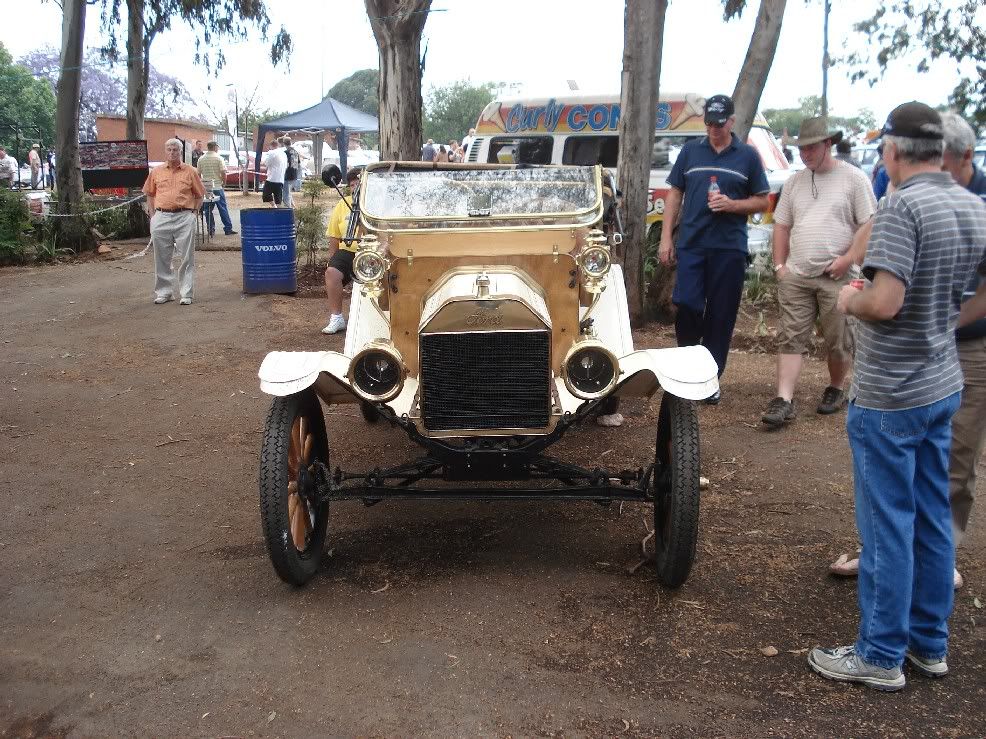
(643, 41)
(138, 70)
(71, 232)
(756, 66)
(397, 26)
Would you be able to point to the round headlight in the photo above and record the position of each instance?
(377, 374)
(595, 261)
(368, 266)
(590, 371)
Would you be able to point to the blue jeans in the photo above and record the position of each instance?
(900, 470)
(210, 218)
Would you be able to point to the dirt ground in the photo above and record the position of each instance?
(137, 598)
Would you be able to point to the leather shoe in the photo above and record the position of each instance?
(230, 233)
(714, 398)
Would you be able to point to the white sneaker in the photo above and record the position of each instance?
(957, 580)
(162, 299)
(610, 419)
(336, 324)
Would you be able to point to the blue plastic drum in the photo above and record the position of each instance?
(269, 250)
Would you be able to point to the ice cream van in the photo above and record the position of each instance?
(583, 129)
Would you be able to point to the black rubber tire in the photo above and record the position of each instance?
(676, 490)
(293, 566)
(370, 414)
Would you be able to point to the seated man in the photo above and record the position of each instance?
(339, 273)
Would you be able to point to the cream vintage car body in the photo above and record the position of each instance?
(489, 320)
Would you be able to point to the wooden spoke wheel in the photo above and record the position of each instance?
(294, 522)
(676, 490)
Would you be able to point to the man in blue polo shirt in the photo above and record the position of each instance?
(720, 181)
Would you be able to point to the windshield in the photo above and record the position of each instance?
(476, 196)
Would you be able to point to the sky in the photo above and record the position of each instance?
(534, 46)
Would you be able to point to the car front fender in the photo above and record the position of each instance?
(689, 372)
(286, 373)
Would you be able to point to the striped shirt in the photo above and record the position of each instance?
(931, 235)
(823, 213)
(211, 166)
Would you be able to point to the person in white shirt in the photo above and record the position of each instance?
(8, 169)
(277, 164)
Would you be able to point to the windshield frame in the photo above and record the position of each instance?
(465, 223)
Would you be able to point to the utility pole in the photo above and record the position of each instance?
(825, 60)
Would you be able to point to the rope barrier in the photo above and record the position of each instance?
(93, 212)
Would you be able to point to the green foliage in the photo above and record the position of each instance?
(310, 221)
(213, 22)
(111, 223)
(25, 101)
(811, 105)
(450, 111)
(358, 90)
(935, 29)
(15, 246)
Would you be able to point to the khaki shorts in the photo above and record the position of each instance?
(802, 300)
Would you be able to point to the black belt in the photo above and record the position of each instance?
(173, 210)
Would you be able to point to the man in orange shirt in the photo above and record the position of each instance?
(174, 195)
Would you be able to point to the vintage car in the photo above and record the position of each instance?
(490, 320)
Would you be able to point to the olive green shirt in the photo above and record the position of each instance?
(211, 167)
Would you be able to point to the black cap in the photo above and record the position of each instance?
(914, 120)
(718, 109)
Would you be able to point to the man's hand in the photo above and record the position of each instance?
(839, 266)
(845, 295)
(781, 272)
(665, 252)
(719, 203)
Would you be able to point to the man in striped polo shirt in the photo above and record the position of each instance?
(926, 241)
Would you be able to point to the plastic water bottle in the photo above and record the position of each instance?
(713, 187)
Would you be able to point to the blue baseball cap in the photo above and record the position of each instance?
(718, 109)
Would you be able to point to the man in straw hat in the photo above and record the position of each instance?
(821, 209)
(927, 239)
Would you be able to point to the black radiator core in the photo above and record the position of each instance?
(485, 380)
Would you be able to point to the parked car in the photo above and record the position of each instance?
(489, 322)
(233, 169)
(867, 155)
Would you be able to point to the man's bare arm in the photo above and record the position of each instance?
(672, 205)
(782, 244)
(880, 302)
(974, 308)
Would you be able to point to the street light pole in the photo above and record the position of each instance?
(825, 60)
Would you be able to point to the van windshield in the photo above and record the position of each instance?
(478, 195)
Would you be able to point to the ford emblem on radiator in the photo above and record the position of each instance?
(484, 319)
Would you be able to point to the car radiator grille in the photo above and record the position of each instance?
(485, 380)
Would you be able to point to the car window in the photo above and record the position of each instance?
(868, 156)
(980, 157)
(520, 150)
(666, 150)
(589, 150)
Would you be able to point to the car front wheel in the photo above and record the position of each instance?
(676, 490)
(293, 520)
